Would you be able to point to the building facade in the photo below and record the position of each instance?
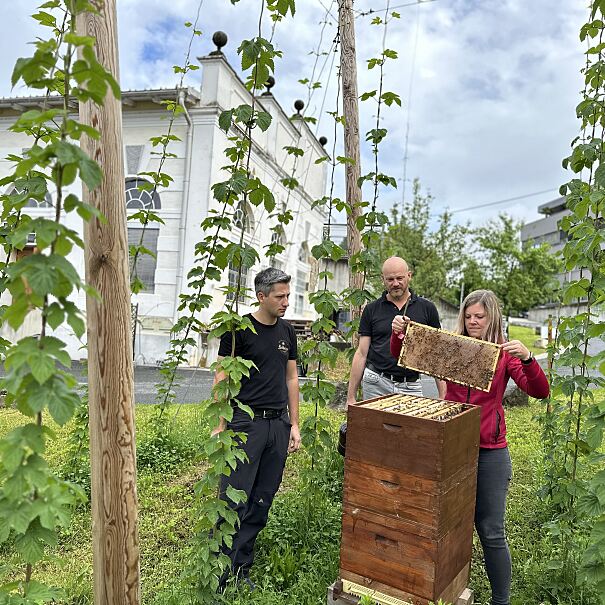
(197, 164)
(548, 230)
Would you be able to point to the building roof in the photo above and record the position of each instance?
(557, 205)
(129, 98)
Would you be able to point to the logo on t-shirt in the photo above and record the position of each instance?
(282, 347)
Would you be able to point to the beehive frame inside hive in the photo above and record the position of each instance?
(420, 407)
(449, 356)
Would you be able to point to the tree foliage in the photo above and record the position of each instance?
(447, 257)
(435, 255)
(574, 421)
(34, 502)
(522, 276)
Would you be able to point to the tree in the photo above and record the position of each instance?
(522, 276)
(437, 257)
(449, 260)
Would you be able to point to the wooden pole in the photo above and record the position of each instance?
(350, 104)
(110, 371)
(550, 359)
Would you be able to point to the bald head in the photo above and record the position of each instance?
(396, 277)
(394, 263)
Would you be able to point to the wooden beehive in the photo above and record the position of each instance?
(449, 356)
(409, 497)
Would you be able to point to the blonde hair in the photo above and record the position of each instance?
(489, 301)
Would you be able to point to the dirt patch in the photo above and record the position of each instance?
(449, 356)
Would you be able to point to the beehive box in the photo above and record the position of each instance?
(449, 356)
(409, 497)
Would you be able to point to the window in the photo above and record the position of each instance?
(232, 279)
(299, 304)
(139, 199)
(133, 154)
(301, 289)
(303, 253)
(243, 218)
(47, 202)
(146, 264)
(279, 237)
(342, 318)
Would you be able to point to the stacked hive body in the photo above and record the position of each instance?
(409, 497)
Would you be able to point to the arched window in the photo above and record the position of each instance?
(243, 217)
(32, 202)
(47, 202)
(138, 198)
(140, 194)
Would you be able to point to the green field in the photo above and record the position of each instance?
(298, 552)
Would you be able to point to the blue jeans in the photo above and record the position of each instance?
(494, 474)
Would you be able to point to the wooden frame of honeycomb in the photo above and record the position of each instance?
(449, 356)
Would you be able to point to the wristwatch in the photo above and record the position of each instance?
(527, 361)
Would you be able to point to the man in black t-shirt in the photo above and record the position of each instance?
(271, 391)
(373, 365)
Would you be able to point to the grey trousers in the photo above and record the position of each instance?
(494, 474)
(375, 385)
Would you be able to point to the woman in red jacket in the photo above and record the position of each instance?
(480, 317)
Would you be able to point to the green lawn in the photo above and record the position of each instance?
(298, 551)
(527, 336)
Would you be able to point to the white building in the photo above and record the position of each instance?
(186, 202)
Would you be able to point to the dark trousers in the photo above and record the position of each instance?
(494, 474)
(260, 477)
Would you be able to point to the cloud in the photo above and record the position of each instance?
(493, 95)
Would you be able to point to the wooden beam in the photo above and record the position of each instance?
(348, 67)
(110, 371)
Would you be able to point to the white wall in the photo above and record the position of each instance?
(221, 89)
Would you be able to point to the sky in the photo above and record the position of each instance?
(488, 87)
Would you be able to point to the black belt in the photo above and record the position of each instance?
(267, 413)
(392, 378)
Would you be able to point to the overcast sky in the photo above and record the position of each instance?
(494, 83)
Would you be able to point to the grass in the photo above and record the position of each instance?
(527, 336)
(298, 552)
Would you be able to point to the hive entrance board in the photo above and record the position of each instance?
(449, 356)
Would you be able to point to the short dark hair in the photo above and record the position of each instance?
(267, 278)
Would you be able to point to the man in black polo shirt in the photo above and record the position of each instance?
(271, 391)
(373, 365)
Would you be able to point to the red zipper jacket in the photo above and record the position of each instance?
(528, 377)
